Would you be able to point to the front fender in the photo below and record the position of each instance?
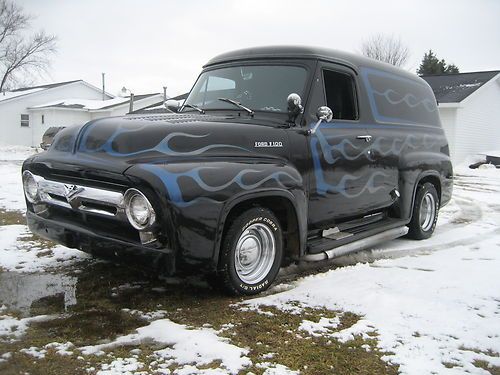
(197, 195)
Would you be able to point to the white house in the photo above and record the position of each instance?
(26, 113)
(469, 107)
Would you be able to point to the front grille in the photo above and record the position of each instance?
(99, 210)
(83, 198)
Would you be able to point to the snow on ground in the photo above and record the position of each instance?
(17, 252)
(12, 328)
(22, 255)
(11, 192)
(185, 346)
(439, 304)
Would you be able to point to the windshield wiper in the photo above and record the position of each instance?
(239, 105)
(194, 107)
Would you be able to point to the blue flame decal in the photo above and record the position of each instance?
(409, 99)
(162, 146)
(328, 152)
(170, 180)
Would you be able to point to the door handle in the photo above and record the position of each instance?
(367, 138)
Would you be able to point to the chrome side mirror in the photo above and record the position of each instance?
(172, 105)
(294, 105)
(323, 113)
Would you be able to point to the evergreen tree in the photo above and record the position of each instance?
(432, 65)
(451, 68)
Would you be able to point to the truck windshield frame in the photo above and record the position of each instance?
(261, 87)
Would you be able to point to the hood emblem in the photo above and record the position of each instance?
(71, 191)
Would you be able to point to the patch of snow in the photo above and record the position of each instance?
(27, 256)
(324, 325)
(361, 328)
(275, 369)
(268, 355)
(5, 357)
(184, 346)
(11, 328)
(487, 166)
(150, 315)
(34, 352)
(11, 189)
(121, 366)
(61, 348)
(193, 370)
(16, 153)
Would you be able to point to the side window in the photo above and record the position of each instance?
(339, 92)
(25, 120)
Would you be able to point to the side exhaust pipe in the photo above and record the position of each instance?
(357, 245)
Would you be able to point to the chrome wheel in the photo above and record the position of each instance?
(427, 212)
(255, 253)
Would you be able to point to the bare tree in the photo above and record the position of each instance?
(386, 48)
(21, 55)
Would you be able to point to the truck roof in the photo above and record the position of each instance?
(307, 52)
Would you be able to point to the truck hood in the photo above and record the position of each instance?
(115, 144)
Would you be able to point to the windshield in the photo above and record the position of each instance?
(258, 87)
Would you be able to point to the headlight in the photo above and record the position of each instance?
(139, 211)
(30, 186)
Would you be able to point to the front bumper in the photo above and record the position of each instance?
(86, 240)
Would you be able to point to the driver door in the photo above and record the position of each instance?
(341, 179)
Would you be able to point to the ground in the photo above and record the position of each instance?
(413, 307)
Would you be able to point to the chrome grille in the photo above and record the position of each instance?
(81, 198)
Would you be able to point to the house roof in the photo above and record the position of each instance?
(92, 105)
(158, 107)
(453, 88)
(47, 86)
(40, 88)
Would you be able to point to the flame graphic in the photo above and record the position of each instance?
(162, 146)
(170, 180)
(334, 152)
(409, 99)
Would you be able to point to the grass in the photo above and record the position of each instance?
(11, 217)
(98, 317)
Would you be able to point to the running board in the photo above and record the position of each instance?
(357, 245)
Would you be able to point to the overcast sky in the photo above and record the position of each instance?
(144, 45)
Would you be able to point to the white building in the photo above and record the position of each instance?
(469, 106)
(26, 113)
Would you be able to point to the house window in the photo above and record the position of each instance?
(43, 119)
(25, 120)
(339, 91)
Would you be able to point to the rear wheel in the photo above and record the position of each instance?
(425, 212)
(251, 252)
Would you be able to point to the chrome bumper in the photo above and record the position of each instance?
(81, 198)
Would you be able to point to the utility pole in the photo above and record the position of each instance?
(103, 88)
(131, 103)
(164, 94)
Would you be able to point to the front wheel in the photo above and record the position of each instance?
(425, 212)
(251, 252)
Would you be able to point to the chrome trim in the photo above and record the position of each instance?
(81, 198)
(129, 194)
(255, 253)
(357, 245)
